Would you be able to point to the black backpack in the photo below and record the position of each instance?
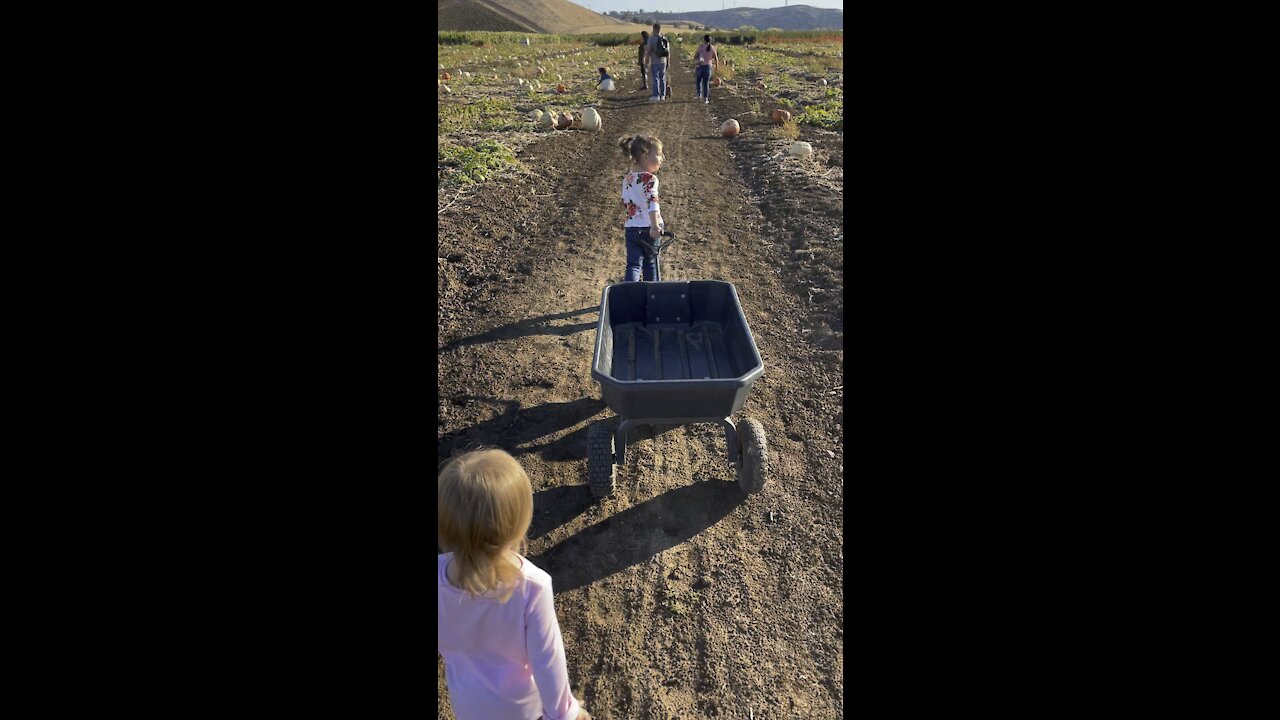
(664, 46)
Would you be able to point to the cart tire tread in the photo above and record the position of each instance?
(600, 468)
(753, 463)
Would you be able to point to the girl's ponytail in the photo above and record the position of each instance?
(635, 146)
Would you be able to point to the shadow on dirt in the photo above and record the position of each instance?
(556, 506)
(524, 328)
(638, 533)
(518, 426)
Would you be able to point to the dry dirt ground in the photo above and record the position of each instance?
(679, 596)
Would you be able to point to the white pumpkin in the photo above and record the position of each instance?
(822, 82)
(591, 119)
(547, 119)
(535, 115)
(800, 149)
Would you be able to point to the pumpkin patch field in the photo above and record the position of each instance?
(678, 596)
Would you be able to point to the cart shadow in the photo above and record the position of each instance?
(516, 427)
(557, 506)
(524, 328)
(638, 533)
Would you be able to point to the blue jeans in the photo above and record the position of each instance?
(635, 253)
(659, 79)
(702, 79)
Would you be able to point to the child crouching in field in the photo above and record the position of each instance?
(496, 623)
(640, 198)
(605, 82)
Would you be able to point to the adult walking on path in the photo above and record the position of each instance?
(644, 52)
(658, 50)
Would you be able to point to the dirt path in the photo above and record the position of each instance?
(678, 596)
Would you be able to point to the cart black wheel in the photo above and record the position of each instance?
(600, 470)
(753, 461)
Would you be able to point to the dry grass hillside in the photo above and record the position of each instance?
(536, 16)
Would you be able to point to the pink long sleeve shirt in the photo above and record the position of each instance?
(503, 661)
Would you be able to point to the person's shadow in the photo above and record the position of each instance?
(523, 328)
(515, 426)
(633, 535)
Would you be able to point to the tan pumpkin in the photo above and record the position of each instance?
(715, 82)
(780, 116)
(730, 128)
(800, 149)
(564, 121)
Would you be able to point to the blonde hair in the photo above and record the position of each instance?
(484, 505)
(636, 146)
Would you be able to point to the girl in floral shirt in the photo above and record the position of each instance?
(640, 198)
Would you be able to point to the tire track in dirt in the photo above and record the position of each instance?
(677, 596)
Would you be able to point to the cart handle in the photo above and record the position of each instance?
(657, 246)
(664, 245)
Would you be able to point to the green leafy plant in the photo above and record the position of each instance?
(828, 114)
(466, 164)
(489, 115)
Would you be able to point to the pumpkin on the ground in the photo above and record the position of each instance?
(780, 116)
(800, 149)
(560, 88)
(730, 128)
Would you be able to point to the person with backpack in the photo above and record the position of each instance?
(659, 49)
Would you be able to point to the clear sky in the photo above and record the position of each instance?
(602, 6)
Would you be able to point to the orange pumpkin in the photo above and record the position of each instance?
(445, 76)
(715, 82)
(560, 88)
(781, 116)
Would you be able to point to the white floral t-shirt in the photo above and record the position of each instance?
(640, 197)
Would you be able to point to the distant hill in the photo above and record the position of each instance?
(792, 17)
(533, 16)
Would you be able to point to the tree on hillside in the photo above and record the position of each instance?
(748, 28)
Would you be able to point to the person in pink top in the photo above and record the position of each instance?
(495, 619)
(707, 61)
